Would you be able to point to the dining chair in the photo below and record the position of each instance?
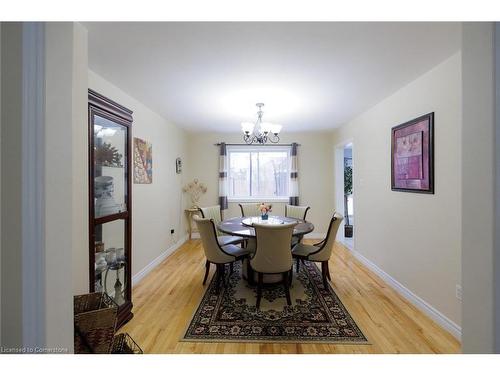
(215, 253)
(321, 251)
(297, 212)
(249, 209)
(272, 255)
(215, 213)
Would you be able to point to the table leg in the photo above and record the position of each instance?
(190, 227)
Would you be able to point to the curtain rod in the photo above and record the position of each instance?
(246, 144)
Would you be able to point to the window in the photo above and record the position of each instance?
(258, 172)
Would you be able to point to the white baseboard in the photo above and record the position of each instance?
(194, 235)
(142, 273)
(426, 308)
(346, 243)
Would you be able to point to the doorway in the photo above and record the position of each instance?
(344, 168)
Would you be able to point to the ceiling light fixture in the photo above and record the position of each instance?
(260, 132)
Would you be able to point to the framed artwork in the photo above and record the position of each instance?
(178, 165)
(143, 162)
(412, 155)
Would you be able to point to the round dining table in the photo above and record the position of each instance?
(242, 227)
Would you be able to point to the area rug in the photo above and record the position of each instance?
(316, 316)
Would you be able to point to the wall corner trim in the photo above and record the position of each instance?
(156, 262)
(415, 300)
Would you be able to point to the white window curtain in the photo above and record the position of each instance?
(294, 177)
(223, 170)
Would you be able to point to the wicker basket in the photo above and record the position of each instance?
(94, 323)
(124, 344)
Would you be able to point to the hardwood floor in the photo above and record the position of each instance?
(165, 300)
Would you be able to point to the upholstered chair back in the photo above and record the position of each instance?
(214, 213)
(297, 212)
(326, 249)
(211, 247)
(250, 209)
(273, 253)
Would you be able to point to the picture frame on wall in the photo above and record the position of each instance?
(143, 162)
(178, 166)
(412, 155)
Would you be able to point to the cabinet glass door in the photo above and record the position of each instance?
(111, 261)
(110, 178)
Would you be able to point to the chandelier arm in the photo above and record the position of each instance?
(274, 139)
(247, 139)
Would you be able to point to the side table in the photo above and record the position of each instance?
(190, 212)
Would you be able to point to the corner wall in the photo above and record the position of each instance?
(415, 238)
(65, 164)
(37, 308)
(156, 207)
(478, 174)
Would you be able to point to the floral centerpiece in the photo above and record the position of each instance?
(195, 190)
(264, 210)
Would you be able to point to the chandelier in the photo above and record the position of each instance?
(260, 132)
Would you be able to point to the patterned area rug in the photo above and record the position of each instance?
(316, 314)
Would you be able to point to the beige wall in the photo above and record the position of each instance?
(478, 187)
(315, 172)
(65, 164)
(415, 238)
(156, 208)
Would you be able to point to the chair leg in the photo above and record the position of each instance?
(259, 290)
(290, 276)
(298, 265)
(231, 269)
(287, 290)
(207, 269)
(223, 274)
(328, 271)
(218, 278)
(250, 274)
(324, 266)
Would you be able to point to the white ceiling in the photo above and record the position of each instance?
(311, 76)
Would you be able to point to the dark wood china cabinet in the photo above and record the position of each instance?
(110, 201)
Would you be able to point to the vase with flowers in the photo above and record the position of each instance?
(264, 210)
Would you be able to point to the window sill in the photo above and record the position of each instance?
(258, 200)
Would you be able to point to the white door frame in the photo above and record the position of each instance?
(496, 265)
(33, 192)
